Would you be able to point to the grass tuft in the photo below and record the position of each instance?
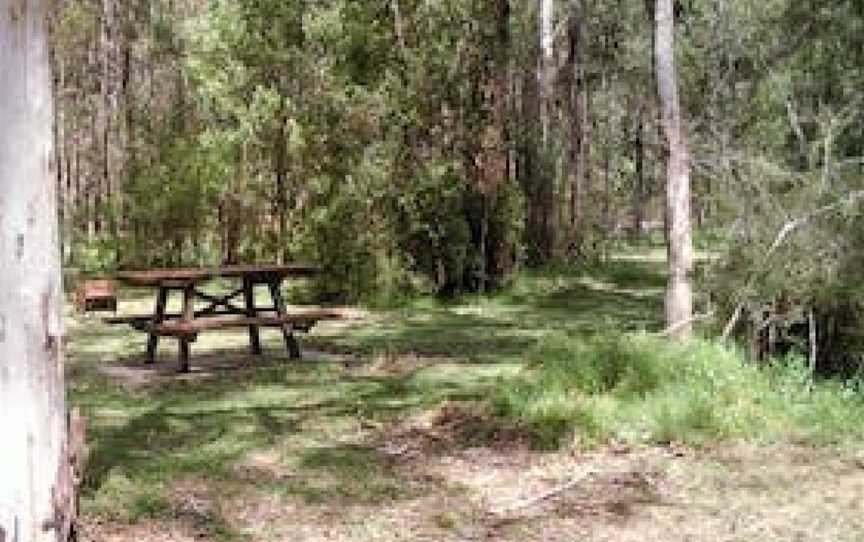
(640, 388)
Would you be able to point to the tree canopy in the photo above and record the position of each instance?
(440, 146)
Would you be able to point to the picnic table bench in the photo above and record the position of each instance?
(220, 311)
(93, 294)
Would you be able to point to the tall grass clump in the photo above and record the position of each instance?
(643, 388)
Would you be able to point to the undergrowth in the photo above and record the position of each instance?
(639, 388)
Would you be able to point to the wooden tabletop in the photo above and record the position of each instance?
(156, 277)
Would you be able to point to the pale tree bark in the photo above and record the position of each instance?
(399, 27)
(534, 167)
(546, 68)
(679, 291)
(35, 478)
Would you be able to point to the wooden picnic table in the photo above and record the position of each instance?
(221, 310)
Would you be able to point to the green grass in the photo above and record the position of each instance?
(502, 327)
(639, 388)
(144, 438)
(563, 356)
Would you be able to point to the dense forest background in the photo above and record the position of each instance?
(416, 146)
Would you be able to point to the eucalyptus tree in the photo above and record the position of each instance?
(679, 290)
(36, 502)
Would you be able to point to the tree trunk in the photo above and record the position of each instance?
(36, 488)
(60, 136)
(281, 166)
(575, 37)
(130, 162)
(527, 167)
(813, 340)
(534, 169)
(104, 119)
(679, 292)
(546, 68)
(607, 221)
(639, 180)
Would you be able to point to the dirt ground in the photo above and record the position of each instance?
(507, 492)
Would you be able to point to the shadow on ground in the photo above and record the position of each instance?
(311, 432)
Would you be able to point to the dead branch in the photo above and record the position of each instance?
(678, 325)
(781, 237)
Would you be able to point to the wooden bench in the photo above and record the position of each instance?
(173, 327)
(187, 331)
(301, 321)
(235, 307)
(97, 294)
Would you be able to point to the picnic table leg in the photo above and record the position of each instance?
(184, 355)
(158, 316)
(186, 316)
(287, 331)
(254, 338)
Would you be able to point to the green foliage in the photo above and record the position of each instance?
(434, 226)
(798, 163)
(229, 131)
(349, 262)
(318, 132)
(96, 257)
(353, 199)
(638, 388)
(169, 200)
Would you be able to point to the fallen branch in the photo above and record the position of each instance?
(781, 237)
(547, 495)
(678, 325)
(733, 321)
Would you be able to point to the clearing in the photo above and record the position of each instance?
(380, 434)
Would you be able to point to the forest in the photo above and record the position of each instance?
(576, 268)
(442, 147)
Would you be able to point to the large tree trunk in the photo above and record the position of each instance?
(679, 291)
(35, 478)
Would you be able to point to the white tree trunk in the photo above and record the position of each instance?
(546, 71)
(679, 291)
(34, 476)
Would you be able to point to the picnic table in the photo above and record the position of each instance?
(221, 310)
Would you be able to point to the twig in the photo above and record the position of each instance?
(547, 495)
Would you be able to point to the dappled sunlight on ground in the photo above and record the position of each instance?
(383, 432)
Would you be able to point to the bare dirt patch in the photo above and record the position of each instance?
(447, 429)
(512, 493)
